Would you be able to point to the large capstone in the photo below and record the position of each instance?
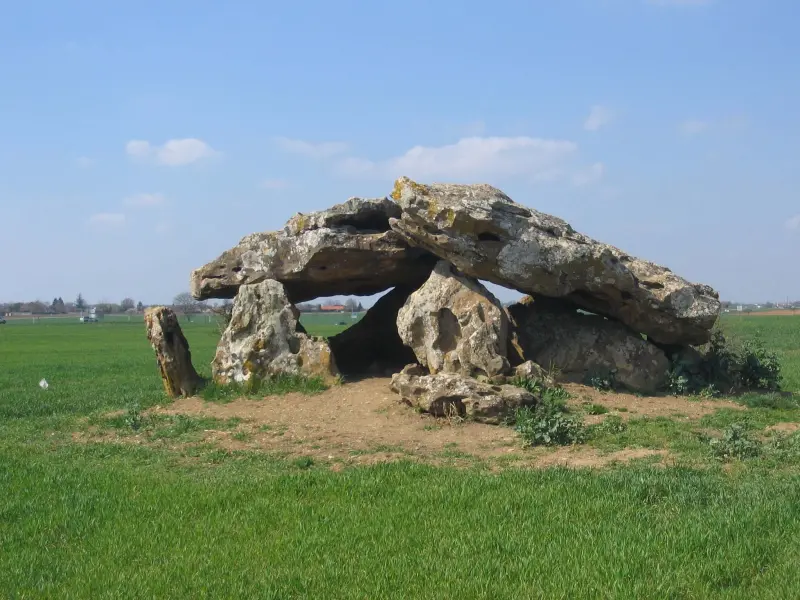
(373, 346)
(581, 346)
(264, 338)
(348, 249)
(455, 325)
(488, 236)
(455, 395)
(172, 352)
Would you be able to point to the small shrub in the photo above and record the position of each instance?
(785, 448)
(759, 368)
(724, 364)
(134, 418)
(735, 443)
(303, 462)
(548, 424)
(595, 409)
(604, 382)
(678, 382)
(611, 425)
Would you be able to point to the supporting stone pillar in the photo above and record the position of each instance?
(172, 352)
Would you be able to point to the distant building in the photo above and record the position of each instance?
(332, 308)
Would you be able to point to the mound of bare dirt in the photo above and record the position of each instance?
(363, 423)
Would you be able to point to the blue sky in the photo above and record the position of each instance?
(139, 140)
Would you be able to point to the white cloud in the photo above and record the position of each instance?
(793, 222)
(311, 149)
(173, 153)
(107, 220)
(144, 200)
(84, 162)
(589, 175)
(598, 117)
(274, 184)
(138, 148)
(471, 158)
(693, 127)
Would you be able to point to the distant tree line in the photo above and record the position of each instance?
(59, 307)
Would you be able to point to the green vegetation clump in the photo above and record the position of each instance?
(611, 425)
(726, 365)
(602, 381)
(735, 443)
(549, 423)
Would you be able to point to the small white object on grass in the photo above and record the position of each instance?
(43, 384)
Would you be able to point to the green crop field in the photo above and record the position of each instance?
(105, 518)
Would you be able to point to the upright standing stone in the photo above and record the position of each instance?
(172, 352)
(455, 325)
(265, 339)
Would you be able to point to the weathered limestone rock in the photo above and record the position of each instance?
(348, 249)
(373, 345)
(172, 352)
(451, 394)
(264, 338)
(455, 325)
(579, 345)
(532, 370)
(488, 236)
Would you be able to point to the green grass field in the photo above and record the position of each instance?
(117, 520)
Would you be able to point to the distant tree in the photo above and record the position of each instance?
(80, 303)
(127, 304)
(351, 304)
(360, 308)
(186, 304)
(37, 308)
(224, 313)
(140, 306)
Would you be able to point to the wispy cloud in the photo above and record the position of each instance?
(107, 220)
(311, 149)
(793, 223)
(145, 200)
(599, 116)
(173, 153)
(471, 158)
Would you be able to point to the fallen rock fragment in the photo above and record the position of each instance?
(488, 236)
(265, 338)
(172, 352)
(455, 325)
(454, 395)
(579, 346)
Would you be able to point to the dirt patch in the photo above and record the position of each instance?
(577, 457)
(784, 427)
(630, 406)
(365, 423)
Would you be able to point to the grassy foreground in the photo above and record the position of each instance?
(105, 520)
